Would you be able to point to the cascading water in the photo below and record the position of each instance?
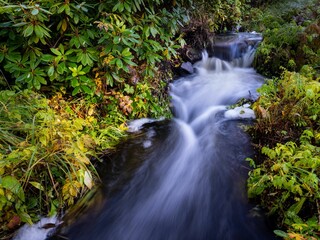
(191, 181)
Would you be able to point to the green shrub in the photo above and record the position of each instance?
(46, 147)
(291, 32)
(287, 132)
(60, 43)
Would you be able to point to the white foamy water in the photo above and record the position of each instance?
(136, 125)
(243, 112)
(37, 231)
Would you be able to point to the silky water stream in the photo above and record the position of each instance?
(190, 173)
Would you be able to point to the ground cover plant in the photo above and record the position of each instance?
(285, 175)
(46, 147)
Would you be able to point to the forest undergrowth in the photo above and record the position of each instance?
(285, 176)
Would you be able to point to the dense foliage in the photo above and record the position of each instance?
(285, 178)
(95, 65)
(288, 132)
(66, 44)
(291, 36)
(210, 17)
(71, 75)
(45, 151)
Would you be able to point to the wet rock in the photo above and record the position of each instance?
(187, 66)
(233, 45)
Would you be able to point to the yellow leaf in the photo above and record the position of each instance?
(73, 191)
(83, 159)
(91, 111)
(123, 127)
(64, 25)
(165, 53)
(88, 141)
(43, 140)
(296, 236)
(65, 189)
(80, 145)
(91, 119)
(37, 185)
(78, 123)
(69, 150)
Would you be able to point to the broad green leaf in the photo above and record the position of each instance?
(76, 19)
(28, 31)
(113, 61)
(40, 79)
(51, 71)
(62, 8)
(75, 91)
(127, 6)
(19, 24)
(126, 52)
(85, 79)
(121, 7)
(153, 31)
(45, 11)
(39, 31)
(37, 185)
(12, 184)
(281, 233)
(86, 89)
(119, 63)
(36, 83)
(116, 40)
(74, 82)
(25, 217)
(129, 62)
(109, 79)
(55, 51)
(61, 68)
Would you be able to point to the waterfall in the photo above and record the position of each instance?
(190, 182)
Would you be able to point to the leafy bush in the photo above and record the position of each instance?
(220, 15)
(98, 63)
(288, 134)
(61, 43)
(46, 147)
(291, 32)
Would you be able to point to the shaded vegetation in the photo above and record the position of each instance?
(288, 136)
(291, 36)
(71, 75)
(45, 152)
(285, 178)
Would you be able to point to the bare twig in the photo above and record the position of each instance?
(4, 77)
(318, 208)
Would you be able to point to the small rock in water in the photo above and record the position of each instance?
(242, 112)
(187, 66)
